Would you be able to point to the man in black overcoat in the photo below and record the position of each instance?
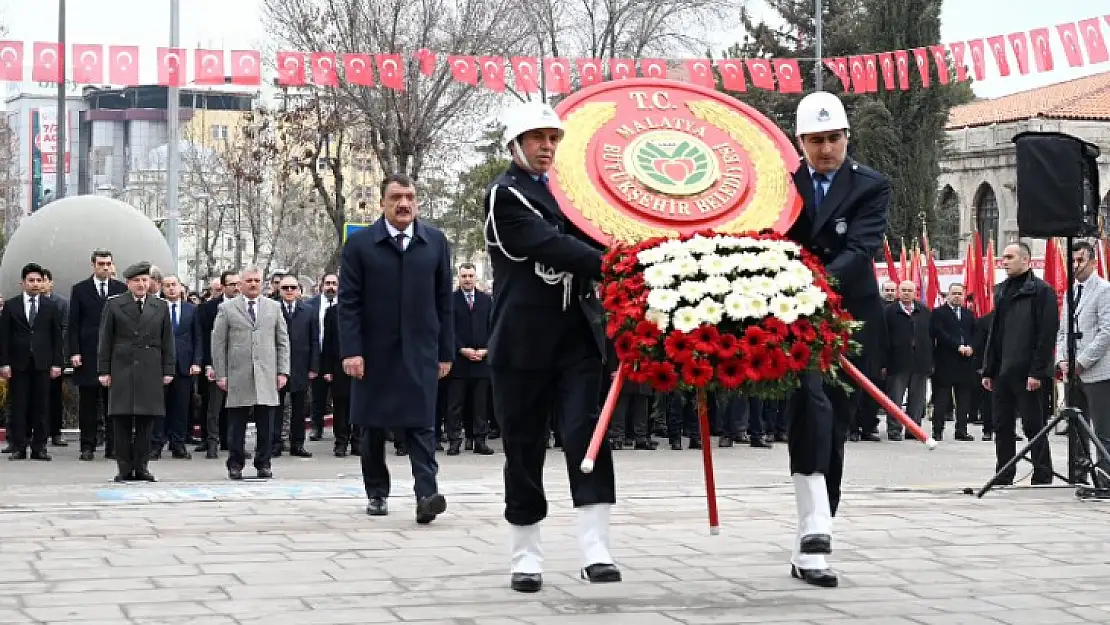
(546, 350)
(397, 341)
(86, 301)
(954, 375)
(30, 357)
(215, 426)
(843, 221)
(468, 383)
(304, 363)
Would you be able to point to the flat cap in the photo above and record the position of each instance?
(141, 268)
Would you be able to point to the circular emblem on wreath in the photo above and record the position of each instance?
(643, 158)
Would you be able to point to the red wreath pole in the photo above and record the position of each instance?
(603, 419)
(890, 407)
(707, 462)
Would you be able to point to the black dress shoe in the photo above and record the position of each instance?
(265, 474)
(526, 582)
(275, 452)
(854, 437)
(181, 454)
(676, 444)
(300, 452)
(58, 441)
(41, 455)
(86, 456)
(18, 455)
(482, 448)
(428, 508)
(109, 455)
(212, 454)
(316, 435)
(144, 476)
(235, 474)
(824, 578)
(7, 449)
(601, 573)
(156, 454)
(725, 441)
(694, 444)
(121, 478)
(761, 443)
(816, 543)
(870, 437)
(201, 447)
(964, 436)
(340, 452)
(454, 449)
(377, 507)
(616, 445)
(469, 444)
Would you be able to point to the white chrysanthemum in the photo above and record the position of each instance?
(651, 256)
(692, 290)
(685, 266)
(739, 307)
(672, 248)
(701, 245)
(663, 299)
(784, 308)
(773, 260)
(809, 300)
(800, 272)
(729, 242)
(715, 265)
(717, 285)
(746, 262)
(661, 319)
(710, 311)
(757, 307)
(659, 276)
(685, 319)
(764, 285)
(788, 281)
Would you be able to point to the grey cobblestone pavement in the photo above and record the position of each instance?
(194, 548)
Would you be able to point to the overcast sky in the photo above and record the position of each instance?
(230, 24)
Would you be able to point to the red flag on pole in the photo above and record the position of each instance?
(891, 269)
(972, 278)
(988, 278)
(1054, 271)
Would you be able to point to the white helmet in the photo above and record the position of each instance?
(820, 111)
(530, 116)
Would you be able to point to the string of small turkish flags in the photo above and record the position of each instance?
(96, 64)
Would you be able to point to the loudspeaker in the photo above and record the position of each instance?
(1057, 185)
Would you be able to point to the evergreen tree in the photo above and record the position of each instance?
(466, 221)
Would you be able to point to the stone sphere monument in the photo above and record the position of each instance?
(61, 236)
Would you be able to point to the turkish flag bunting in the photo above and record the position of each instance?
(940, 57)
(323, 69)
(290, 69)
(902, 64)
(1001, 59)
(123, 65)
(590, 71)
(921, 59)
(959, 54)
(246, 67)
(391, 71)
(11, 61)
(357, 69)
(1019, 42)
(759, 71)
(47, 65)
(464, 69)
(701, 73)
(619, 69)
(978, 58)
(88, 64)
(1042, 49)
(493, 73)
(556, 75)
(871, 70)
(839, 66)
(653, 68)
(427, 60)
(1069, 36)
(859, 74)
(788, 74)
(208, 67)
(886, 64)
(171, 67)
(525, 74)
(1092, 39)
(732, 75)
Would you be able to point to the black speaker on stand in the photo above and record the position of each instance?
(1058, 196)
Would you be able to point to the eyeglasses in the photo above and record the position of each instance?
(289, 287)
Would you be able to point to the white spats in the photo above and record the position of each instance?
(527, 552)
(593, 534)
(814, 517)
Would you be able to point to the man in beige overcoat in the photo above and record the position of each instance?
(250, 355)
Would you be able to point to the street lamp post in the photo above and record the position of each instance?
(819, 46)
(173, 147)
(61, 118)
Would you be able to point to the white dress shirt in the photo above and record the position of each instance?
(393, 232)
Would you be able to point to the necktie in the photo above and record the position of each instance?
(819, 190)
(470, 300)
(173, 315)
(957, 311)
(400, 239)
(1078, 294)
(139, 302)
(32, 313)
(289, 310)
(103, 291)
(250, 310)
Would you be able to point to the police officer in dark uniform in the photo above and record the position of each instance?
(843, 222)
(546, 349)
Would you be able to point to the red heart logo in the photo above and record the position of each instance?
(675, 169)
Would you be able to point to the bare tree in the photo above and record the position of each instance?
(10, 209)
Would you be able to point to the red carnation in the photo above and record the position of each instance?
(732, 373)
(727, 346)
(776, 328)
(757, 360)
(825, 360)
(626, 346)
(755, 337)
(679, 347)
(705, 339)
(800, 355)
(697, 373)
(803, 330)
(662, 377)
(777, 364)
(612, 326)
(647, 333)
(637, 376)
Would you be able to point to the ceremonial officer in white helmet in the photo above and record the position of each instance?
(843, 222)
(545, 349)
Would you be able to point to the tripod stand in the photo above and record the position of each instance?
(1082, 466)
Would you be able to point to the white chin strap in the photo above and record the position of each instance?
(518, 153)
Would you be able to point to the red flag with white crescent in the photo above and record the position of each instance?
(391, 71)
(171, 67)
(88, 64)
(208, 67)
(921, 59)
(1019, 43)
(858, 73)
(886, 64)
(323, 69)
(732, 75)
(871, 69)
(760, 73)
(590, 71)
(701, 73)
(619, 69)
(1041, 45)
(1001, 57)
(556, 75)
(653, 68)
(493, 73)
(940, 58)
(290, 69)
(427, 60)
(11, 61)
(978, 58)
(525, 74)
(839, 67)
(47, 63)
(1069, 36)
(246, 67)
(464, 69)
(123, 65)
(959, 56)
(788, 75)
(357, 69)
(902, 64)
(1094, 41)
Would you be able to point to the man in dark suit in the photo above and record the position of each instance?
(179, 393)
(845, 216)
(468, 384)
(546, 350)
(397, 341)
(86, 301)
(30, 356)
(215, 426)
(321, 304)
(135, 360)
(953, 331)
(56, 384)
(304, 363)
(331, 368)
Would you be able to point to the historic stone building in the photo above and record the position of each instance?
(978, 181)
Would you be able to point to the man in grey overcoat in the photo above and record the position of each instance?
(397, 340)
(250, 356)
(135, 360)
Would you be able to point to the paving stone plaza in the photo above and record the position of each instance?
(194, 548)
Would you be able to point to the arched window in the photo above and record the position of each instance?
(946, 239)
(1104, 210)
(986, 213)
